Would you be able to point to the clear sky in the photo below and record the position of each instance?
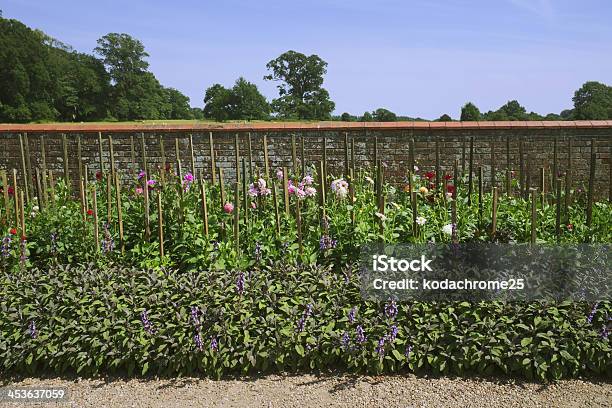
(414, 57)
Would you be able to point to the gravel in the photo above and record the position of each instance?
(320, 391)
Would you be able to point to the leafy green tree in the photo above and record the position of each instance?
(367, 117)
(177, 105)
(218, 103)
(593, 101)
(301, 92)
(444, 118)
(136, 93)
(346, 117)
(247, 102)
(384, 115)
(242, 102)
(469, 112)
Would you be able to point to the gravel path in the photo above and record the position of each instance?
(321, 391)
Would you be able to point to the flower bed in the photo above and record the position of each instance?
(264, 278)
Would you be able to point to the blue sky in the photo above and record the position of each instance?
(417, 58)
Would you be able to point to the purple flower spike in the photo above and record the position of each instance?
(361, 338)
(32, 330)
(391, 309)
(351, 315)
(214, 344)
(146, 323)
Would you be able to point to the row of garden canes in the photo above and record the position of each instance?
(45, 190)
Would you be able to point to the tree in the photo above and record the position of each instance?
(242, 102)
(444, 118)
(177, 105)
(301, 95)
(469, 112)
(136, 93)
(218, 103)
(367, 117)
(593, 101)
(346, 117)
(247, 102)
(384, 115)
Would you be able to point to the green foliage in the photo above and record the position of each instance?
(301, 92)
(444, 118)
(242, 102)
(469, 112)
(593, 101)
(88, 320)
(383, 115)
(85, 306)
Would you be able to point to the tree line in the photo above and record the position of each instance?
(43, 79)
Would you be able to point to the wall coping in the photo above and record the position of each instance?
(296, 126)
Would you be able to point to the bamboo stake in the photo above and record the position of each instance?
(610, 172)
(52, 186)
(568, 180)
(193, 164)
(463, 156)
(454, 237)
(177, 149)
(147, 220)
(162, 152)
(534, 201)
(160, 224)
(237, 215)
(222, 187)
(94, 201)
(39, 194)
(109, 200)
(494, 215)
(250, 154)
(543, 184)
(26, 144)
(413, 202)
(375, 157)
(100, 152)
(213, 165)
(22, 213)
(83, 207)
(119, 212)
(204, 205)
(412, 154)
(508, 169)
(522, 186)
(591, 185)
(346, 155)
(437, 146)
(352, 195)
(286, 190)
(80, 172)
(480, 188)
(24, 169)
(558, 218)
(294, 154)
(132, 153)
(237, 152)
(143, 149)
(266, 160)
(245, 199)
(353, 172)
(111, 150)
(527, 182)
(276, 211)
(322, 190)
(86, 183)
(493, 169)
(471, 171)
(17, 212)
(298, 221)
(302, 155)
(324, 159)
(554, 174)
(43, 156)
(381, 198)
(7, 210)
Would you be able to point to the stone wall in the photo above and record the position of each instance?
(393, 149)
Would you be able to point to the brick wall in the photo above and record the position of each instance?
(393, 141)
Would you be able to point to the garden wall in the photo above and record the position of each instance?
(392, 140)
